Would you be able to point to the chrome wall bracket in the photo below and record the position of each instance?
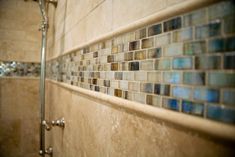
(49, 151)
(58, 122)
(48, 125)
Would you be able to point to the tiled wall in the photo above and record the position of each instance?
(185, 64)
(13, 68)
(20, 39)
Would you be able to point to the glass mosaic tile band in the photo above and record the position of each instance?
(185, 63)
(19, 69)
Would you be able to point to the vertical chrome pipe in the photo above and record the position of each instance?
(42, 91)
(44, 28)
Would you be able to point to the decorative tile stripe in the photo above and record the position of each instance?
(19, 69)
(185, 63)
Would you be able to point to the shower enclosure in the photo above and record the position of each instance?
(123, 78)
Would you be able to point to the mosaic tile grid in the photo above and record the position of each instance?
(19, 69)
(185, 63)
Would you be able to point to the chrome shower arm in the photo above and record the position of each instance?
(42, 5)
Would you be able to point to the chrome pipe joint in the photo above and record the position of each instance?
(46, 125)
(48, 151)
(44, 26)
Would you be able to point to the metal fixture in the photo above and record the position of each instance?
(46, 125)
(44, 27)
(48, 151)
(43, 123)
(58, 122)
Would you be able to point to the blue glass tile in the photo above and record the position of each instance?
(229, 23)
(195, 18)
(220, 10)
(147, 87)
(208, 62)
(221, 79)
(229, 61)
(182, 63)
(192, 108)
(229, 97)
(172, 104)
(230, 44)
(216, 45)
(194, 78)
(204, 94)
(163, 64)
(209, 30)
(154, 30)
(172, 24)
(162, 89)
(221, 113)
(172, 77)
(195, 47)
(182, 92)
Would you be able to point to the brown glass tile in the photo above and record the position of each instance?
(86, 50)
(128, 56)
(90, 81)
(153, 100)
(118, 92)
(134, 45)
(140, 55)
(115, 49)
(147, 43)
(123, 66)
(107, 83)
(95, 54)
(97, 88)
(110, 58)
(133, 66)
(94, 81)
(140, 34)
(100, 67)
(97, 74)
(125, 94)
(114, 66)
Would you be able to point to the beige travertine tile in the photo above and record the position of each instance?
(134, 10)
(101, 18)
(96, 129)
(19, 35)
(19, 120)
